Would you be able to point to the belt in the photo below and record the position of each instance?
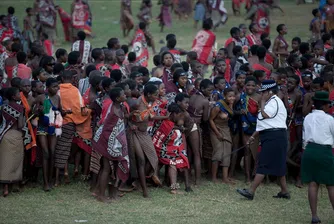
(273, 129)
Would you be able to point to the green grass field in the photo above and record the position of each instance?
(207, 204)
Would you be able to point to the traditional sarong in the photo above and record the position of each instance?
(203, 45)
(318, 164)
(11, 22)
(47, 13)
(11, 145)
(110, 141)
(221, 149)
(169, 145)
(164, 17)
(80, 15)
(63, 147)
(139, 46)
(262, 17)
(66, 21)
(84, 47)
(143, 141)
(218, 13)
(6, 33)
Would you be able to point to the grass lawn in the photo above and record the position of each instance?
(207, 204)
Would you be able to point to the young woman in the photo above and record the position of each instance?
(167, 60)
(220, 85)
(199, 106)
(281, 46)
(219, 70)
(170, 147)
(203, 44)
(192, 135)
(220, 134)
(235, 126)
(164, 17)
(46, 128)
(113, 150)
(11, 144)
(141, 140)
(317, 161)
(250, 100)
(127, 23)
(47, 63)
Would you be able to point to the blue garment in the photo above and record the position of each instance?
(248, 121)
(199, 12)
(219, 94)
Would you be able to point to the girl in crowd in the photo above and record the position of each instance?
(192, 134)
(169, 144)
(221, 138)
(281, 46)
(11, 142)
(250, 100)
(114, 151)
(141, 140)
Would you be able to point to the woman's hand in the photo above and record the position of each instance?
(250, 141)
(220, 136)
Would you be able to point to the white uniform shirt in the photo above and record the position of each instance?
(277, 113)
(318, 128)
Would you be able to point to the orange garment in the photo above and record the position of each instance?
(32, 143)
(71, 99)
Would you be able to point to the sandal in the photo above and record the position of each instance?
(246, 193)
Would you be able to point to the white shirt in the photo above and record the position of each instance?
(318, 128)
(277, 113)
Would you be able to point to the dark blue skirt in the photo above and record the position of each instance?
(272, 158)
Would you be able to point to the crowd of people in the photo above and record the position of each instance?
(120, 123)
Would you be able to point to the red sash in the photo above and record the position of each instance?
(260, 67)
(252, 40)
(80, 15)
(203, 46)
(229, 41)
(139, 46)
(48, 47)
(177, 55)
(269, 59)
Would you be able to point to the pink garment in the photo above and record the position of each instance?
(23, 71)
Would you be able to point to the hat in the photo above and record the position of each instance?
(321, 96)
(267, 85)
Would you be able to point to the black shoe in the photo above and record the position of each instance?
(315, 220)
(246, 194)
(281, 195)
(188, 189)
